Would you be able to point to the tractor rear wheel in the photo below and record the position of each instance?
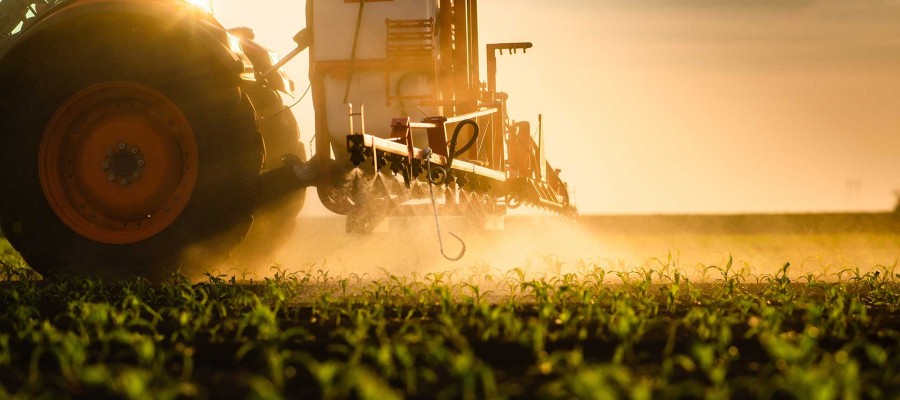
(128, 150)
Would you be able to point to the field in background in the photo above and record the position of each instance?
(812, 243)
(821, 244)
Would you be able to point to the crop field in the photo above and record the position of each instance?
(615, 307)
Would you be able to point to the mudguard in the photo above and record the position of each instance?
(174, 14)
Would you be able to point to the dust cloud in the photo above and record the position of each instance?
(549, 245)
(405, 246)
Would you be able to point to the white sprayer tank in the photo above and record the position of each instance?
(334, 29)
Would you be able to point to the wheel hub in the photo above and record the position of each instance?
(123, 164)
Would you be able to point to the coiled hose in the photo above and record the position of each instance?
(451, 147)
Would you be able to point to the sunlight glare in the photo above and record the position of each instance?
(205, 5)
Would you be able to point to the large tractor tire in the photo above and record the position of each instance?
(128, 149)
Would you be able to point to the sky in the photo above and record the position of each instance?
(688, 106)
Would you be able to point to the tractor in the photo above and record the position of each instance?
(142, 137)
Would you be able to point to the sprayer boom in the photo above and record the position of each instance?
(400, 155)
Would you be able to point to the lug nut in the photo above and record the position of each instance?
(140, 163)
(124, 182)
(105, 165)
(122, 146)
(111, 177)
(134, 150)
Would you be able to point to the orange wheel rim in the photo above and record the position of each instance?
(118, 162)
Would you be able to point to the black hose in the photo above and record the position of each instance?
(451, 148)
